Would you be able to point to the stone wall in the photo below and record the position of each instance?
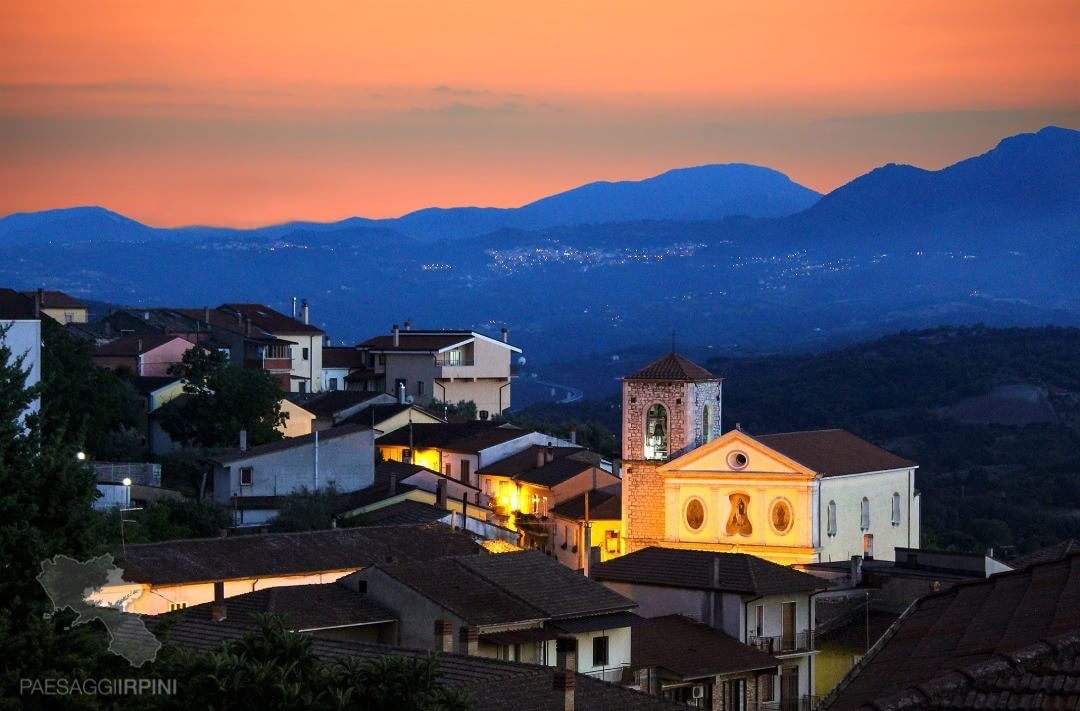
(643, 504)
(638, 397)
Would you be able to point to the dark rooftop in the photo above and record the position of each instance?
(1011, 641)
(382, 412)
(418, 340)
(331, 402)
(56, 300)
(303, 607)
(146, 384)
(281, 445)
(682, 568)
(603, 505)
(1046, 555)
(403, 512)
(471, 436)
(136, 345)
(15, 306)
(343, 357)
(270, 320)
(672, 367)
(833, 452)
(266, 555)
(556, 472)
(692, 650)
(525, 460)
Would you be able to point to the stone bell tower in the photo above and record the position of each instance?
(669, 407)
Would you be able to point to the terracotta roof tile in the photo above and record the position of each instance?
(833, 452)
(136, 345)
(691, 649)
(270, 320)
(57, 300)
(673, 367)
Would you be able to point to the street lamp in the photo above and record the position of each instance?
(81, 456)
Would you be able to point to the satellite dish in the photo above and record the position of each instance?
(521, 360)
(410, 400)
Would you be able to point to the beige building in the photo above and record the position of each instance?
(447, 366)
(306, 341)
(60, 307)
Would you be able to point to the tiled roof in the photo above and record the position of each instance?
(493, 685)
(683, 568)
(343, 357)
(136, 345)
(147, 384)
(556, 472)
(672, 367)
(472, 436)
(833, 452)
(547, 584)
(267, 555)
(455, 587)
(270, 320)
(1045, 555)
(603, 505)
(525, 460)
(303, 607)
(233, 455)
(691, 649)
(1011, 641)
(383, 412)
(418, 341)
(855, 630)
(57, 300)
(331, 402)
(15, 306)
(407, 511)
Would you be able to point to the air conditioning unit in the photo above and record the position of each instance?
(698, 692)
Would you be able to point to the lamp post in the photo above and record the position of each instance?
(127, 500)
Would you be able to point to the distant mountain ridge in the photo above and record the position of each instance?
(708, 192)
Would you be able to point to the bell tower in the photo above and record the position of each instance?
(669, 407)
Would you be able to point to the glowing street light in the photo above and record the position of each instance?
(81, 456)
(127, 481)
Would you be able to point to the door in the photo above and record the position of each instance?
(789, 688)
(787, 635)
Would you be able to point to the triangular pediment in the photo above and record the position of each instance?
(722, 455)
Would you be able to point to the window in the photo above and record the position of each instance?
(483, 414)
(734, 692)
(69, 317)
(301, 387)
(830, 526)
(600, 651)
(466, 465)
(895, 509)
(333, 383)
(706, 424)
(656, 432)
(303, 354)
(453, 358)
(787, 626)
(868, 545)
(382, 359)
(767, 687)
(446, 469)
(738, 460)
(864, 517)
(759, 621)
(420, 388)
(611, 541)
(695, 514)
(246, 475)
(406, 455)
(535, 503)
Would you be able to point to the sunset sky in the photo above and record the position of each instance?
(248, 113)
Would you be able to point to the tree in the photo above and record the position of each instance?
(220, 401)
(307, 510)
(463, 409)
(163, 520)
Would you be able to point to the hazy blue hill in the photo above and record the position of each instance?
(84, 224)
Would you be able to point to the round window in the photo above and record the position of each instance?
(738, 460)
(695, 514)
(780, 516)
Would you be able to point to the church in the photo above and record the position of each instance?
(792, 498)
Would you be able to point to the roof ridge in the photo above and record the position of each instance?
(460, 560)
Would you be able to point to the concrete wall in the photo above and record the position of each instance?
(416, 613)
(23, 338)
(878, 488)
(414, 368)
(299, 421)
(339, 374)
(347, 461)
(310, 370)
(156, 362)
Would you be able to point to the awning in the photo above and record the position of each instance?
(596, 622)
(534, 634)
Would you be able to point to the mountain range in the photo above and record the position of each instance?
(732, 258)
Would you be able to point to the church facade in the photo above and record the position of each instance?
(792, 498)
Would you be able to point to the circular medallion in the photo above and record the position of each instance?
(695, 514)
(780, 516)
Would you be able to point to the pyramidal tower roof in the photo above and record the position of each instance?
(672, 367)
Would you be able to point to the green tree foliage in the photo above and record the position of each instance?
(273, 668)
(591, 435)
(307, 510)
(220, 401)
(465, 409)
(97, 408)
(167, 519)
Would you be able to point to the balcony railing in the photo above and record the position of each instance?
(615, 674)
(269, 363)
(799, 703)
(445, 361)
(784, 644)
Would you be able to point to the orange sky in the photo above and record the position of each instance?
(255, 112)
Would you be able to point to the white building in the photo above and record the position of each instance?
(20, 332)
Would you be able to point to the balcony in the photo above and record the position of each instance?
(798, 703)
(617, 674)
(271, 364)
(784, 644)
(444, 361)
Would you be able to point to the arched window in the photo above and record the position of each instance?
(830, 525)
(706, 424)
(895, 509)
(864, 518)
(656, 432)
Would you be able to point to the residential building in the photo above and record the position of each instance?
(590, 522)
(689, 662)
(321, 610)
(759, 603)
(795, 497)
(170, 575)
(20, 332)
(305, 339)
(60, 307)
(249, 480)
(448, 366)
(521, 489)
(334, 407)
(149, 355)
(490, 684)
(339, 362)
(512, 606)
(1011, 641)
(157, 391)
(129, 484)
(391, 417)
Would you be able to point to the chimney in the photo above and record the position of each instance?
(408, 325)
(470, 640)
(401, 393)
(856, 570)
(505, 334)
(206, 315)
(393, 484)
(39, 301)
(145, 315)
(540, 458)
(138, 346)
(440, 494)
(217, 610)
(294, 307)
(247, 327)
(565, 670)
(397, 335)
(305, 310)
(716, 572)
(239, 319)
(549, 452)
(573, 434)
(243, 440)
(444, 636)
